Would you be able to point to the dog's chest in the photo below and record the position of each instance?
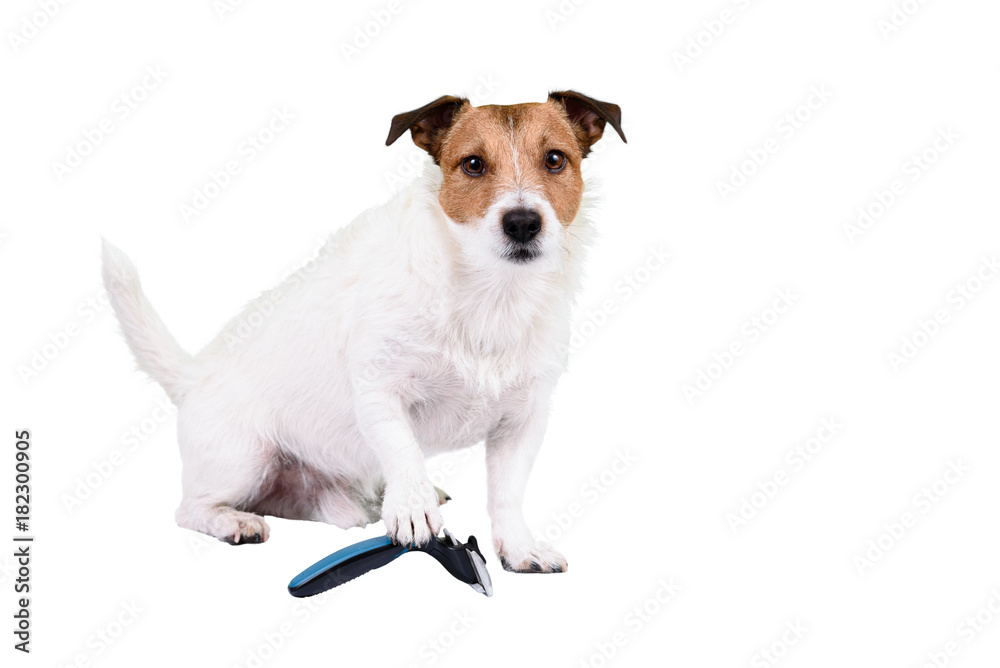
(455, 406)
(481, 362)
(448, 423)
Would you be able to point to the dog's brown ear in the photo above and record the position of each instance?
(589, 116)
(427, 124)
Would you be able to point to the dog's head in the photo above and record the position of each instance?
(511, 173)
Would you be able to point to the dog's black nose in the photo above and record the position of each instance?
(522, 224)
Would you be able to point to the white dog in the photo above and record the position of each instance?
(431, 323)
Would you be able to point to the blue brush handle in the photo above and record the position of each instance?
(344, 565)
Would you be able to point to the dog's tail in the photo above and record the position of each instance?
(155, 349)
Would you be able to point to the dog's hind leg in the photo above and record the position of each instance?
(222, 476)
(296, 491)
(223, 521)
(345, 508)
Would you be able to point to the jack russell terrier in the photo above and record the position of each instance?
(432, 322)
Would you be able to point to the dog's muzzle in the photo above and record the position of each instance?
(521, 227)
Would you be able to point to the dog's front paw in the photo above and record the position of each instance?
(529, 558)
(411, 513)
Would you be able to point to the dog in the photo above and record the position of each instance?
(433, 322)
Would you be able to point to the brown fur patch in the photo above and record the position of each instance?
(513, 141)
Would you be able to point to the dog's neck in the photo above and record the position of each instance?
(503, 332)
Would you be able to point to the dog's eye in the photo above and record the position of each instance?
(473, 165)
(555, 161)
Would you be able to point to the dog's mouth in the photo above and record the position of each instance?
(521, 253)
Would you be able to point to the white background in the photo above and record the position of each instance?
(662, 517)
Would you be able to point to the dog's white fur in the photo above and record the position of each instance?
(413, 336)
